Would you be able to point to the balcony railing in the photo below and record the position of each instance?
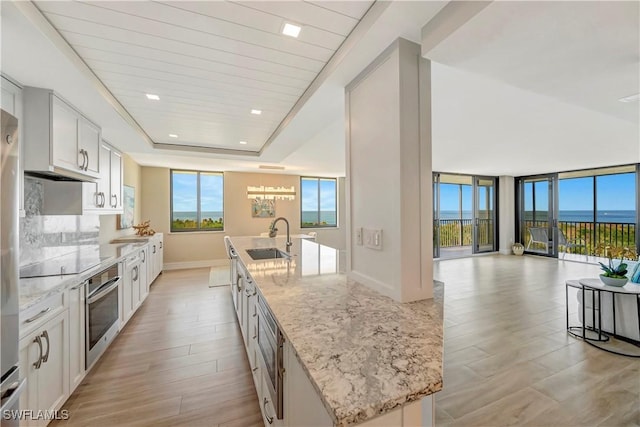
(590, 234)
(459, 232)
(455, 232)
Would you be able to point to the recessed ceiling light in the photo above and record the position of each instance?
(243, 142)
(291, 30)
(153, 97)
(630, 98)
(257, 112)
(173, 135)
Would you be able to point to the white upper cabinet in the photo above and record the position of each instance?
(105, 195)
(11, 102)
(58, 140)
(89, 144)
(115, 180)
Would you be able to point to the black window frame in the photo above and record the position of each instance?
(199, 228)
(318, 179)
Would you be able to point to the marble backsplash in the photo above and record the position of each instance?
(47, 236)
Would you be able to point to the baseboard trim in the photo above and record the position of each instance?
(196, 264)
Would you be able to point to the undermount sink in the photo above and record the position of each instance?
(267, 253)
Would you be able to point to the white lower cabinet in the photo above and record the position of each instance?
(302, 405)
(144, 273)
(268, 410)
(77, 330)
(44, 364)
(125, 300)
(156, 256)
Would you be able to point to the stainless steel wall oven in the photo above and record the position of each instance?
(102, 316)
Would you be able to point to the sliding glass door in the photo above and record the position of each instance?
(582, 213)
(484, 230)
(537, 218)
(436, 215)
(464, 215)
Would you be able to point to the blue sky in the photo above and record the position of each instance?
(310, 195)
(615, 192)
(185, 192)
(449, 197)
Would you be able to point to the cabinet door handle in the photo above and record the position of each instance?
(154, 249)
(255, 369)
(104, 199)
(160, 245)
(86, 166)
(84, 159)
(38, 341)
(255, 332)
(264, 405)
(37, 316)
(144, 256)
(137, 273)
(45, 335)
(113, 196)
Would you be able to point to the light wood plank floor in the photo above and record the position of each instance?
(508, 360)
(178, 362)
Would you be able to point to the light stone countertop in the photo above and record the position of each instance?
(35, 289)
(365, 353)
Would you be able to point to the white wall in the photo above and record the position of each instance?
(389, 174)
(506, 213)
(192, 249)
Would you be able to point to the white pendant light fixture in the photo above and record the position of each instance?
(271, 193)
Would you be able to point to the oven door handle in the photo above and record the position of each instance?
(103, 290)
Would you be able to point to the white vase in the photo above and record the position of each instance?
(517, 250)
(612, 281)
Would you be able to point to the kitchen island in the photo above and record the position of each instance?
(368, 358)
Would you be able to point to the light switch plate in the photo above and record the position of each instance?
(372, 238)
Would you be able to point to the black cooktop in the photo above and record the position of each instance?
(72, 263)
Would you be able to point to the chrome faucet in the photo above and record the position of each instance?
(273, 230)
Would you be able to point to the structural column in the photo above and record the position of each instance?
(506, 213)
(389, 175)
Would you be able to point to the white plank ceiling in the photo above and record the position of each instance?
(210, 62)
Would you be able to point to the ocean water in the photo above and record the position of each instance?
(325, 216)
(328, 216)
(192, 215)
(615, 216)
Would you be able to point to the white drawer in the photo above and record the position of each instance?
(35, 316)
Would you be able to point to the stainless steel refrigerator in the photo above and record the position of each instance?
(11, 383)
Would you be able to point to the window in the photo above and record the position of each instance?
(197, 201)
(318, 203)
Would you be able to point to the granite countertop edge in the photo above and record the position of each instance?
(43, 287)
